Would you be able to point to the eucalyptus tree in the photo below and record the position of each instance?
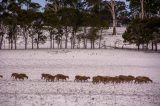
(111, 6)
(153, 25)
(137, 8)
(2, 25)
(58, 37)
(26, 18)
(144, 8)
(38, 26)
(143, 32)
(65, 16)
(93, 36)
(11, 10)
(151, 8)
(51, 22)
(55, 5)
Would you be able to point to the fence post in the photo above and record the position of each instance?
(40, 98)
(65, 100)
(140, 101)
(15, 99)
(115, 101)
(90, 98)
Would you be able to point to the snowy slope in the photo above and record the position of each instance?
(110, 62)
(108, 39)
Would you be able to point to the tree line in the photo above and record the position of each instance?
(69, 23)
(144, 29)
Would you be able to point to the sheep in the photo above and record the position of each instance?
(14, 74)
(24, 75)
(114, 79)
(61, 77)
(19, 77)
(44, 76)
(97, 79)
(142, 79)
(81, 78)
(122, 78)
(130, 78)
(50, 78)
(147, 79)
(1, 76)
(104, 79)
(77, 77)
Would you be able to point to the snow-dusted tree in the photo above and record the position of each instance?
(111, 5)
(138, 6)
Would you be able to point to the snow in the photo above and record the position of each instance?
(109, 62)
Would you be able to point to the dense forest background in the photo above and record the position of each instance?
(70, 22)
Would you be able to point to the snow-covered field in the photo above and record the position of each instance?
(109, 62)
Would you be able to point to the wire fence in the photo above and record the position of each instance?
(71, 99)
(84, 98)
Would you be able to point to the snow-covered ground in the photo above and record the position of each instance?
(109, 62)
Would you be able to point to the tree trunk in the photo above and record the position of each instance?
(32, 42)
(73, 40)
(114, 30)
(66, 35)
(11, 43)
(93, 43)
(156, 47)
(58, 43)
(25, 43)
(61, 42)
(138, 46)
(15, 43)
(51, 39)
(100, 39)
(71, 43)
(25, 37)
(86, 43)
(38, 42)
(79, 46)
(112, 10)
(1, 42)
(66, 41)
(142, 9)
(84, 37)
(152, 46)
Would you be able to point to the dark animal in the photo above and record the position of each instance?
(44, 76)
(81, 78)
(23, 75)
(142, 79)
(50, 78)
(14, 74)
(61, 77)
(1, 76)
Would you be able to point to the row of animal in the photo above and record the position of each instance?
(49, 77)
(121, 79)
(95, 79)
(20, 76)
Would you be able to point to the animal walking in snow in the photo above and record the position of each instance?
(1, 76)
(61, 77)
